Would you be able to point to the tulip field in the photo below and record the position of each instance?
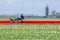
(30, 32)
(8, 21)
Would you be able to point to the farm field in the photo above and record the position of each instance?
(36, 18)
(42, 18)
(30, 32)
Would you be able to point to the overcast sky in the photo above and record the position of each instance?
(36, 7)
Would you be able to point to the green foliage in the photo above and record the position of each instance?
(30, 32)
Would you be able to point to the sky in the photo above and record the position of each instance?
(36, 7)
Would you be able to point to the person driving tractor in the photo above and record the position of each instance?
(20, 17)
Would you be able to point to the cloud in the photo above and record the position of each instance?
(10, 1)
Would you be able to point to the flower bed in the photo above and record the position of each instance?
(31, 21)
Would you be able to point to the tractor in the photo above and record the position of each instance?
(21, 18)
